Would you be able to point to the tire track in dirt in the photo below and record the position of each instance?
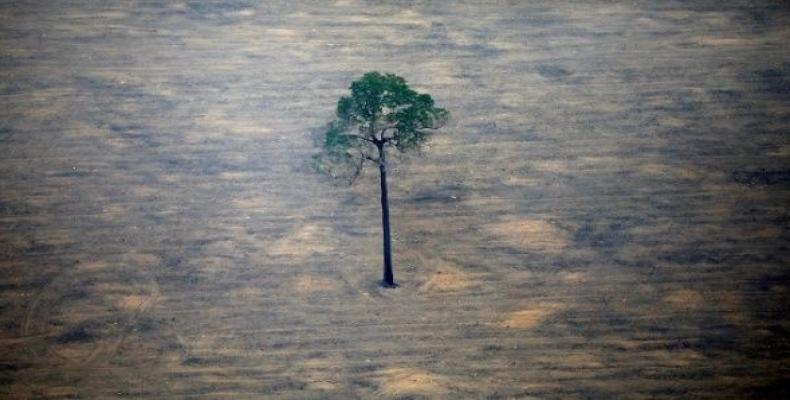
(102, 350)
(33, 305)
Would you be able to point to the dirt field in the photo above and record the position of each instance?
(605, 217)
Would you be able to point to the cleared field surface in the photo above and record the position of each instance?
(604, 217)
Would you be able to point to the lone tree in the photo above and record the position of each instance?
(382, 113)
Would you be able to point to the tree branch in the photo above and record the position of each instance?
(364, 138)
(357, 171)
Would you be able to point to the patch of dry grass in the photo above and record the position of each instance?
(531, 234)
(306, 284)
(529, 317)
(412, 381)
(305, 240)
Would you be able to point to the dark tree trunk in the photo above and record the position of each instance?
(389, 278)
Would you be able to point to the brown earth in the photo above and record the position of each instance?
(605, 216)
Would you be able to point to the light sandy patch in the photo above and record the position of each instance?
(114, 209)
(306, 284)
(531, 234)
(244, 13)
(411, 17)
(447, 279)
(435, 74)
(675, 358)
(234, 175)
(92, 265)
(127, 297)
(405, 17)
(555, 166)
(412, 381)
(521, 181)
(74, 352)
(646, 22)
(573, 360)
(112, 287)
(465, 37)
(247, 292)
(512, 99)
(574, 278)
(322, 385)
(306, 240)
(439, 144)
(669, 171)
(625, 344)
(252, 203)
(603, 162)
(83, 129)
(529, 318)
(144, 191)
(220, 123)
(582, 13)
(669, 121)
(439, 275)
(510, 46)
(169, 177)
(143, 259)
(685, 299)
(427, 169)
(660, 100)
(131, 302)
(714, 41)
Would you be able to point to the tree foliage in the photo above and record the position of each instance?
(382, 112)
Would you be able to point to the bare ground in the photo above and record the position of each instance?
(605, 216)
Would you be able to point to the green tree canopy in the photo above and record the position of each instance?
(381, 112)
